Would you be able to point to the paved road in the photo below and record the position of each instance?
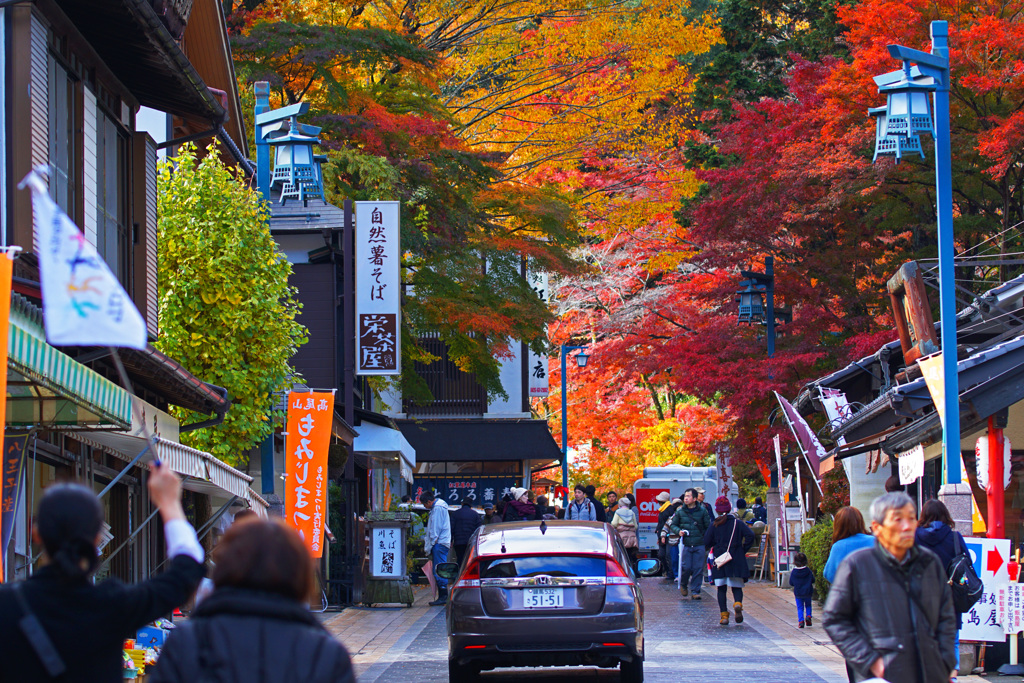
(684, 642)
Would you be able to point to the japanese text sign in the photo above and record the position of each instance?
(537, 364)
(387, 552)
(378, 288)
(990, 556)
(310, 418)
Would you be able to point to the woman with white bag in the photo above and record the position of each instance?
(625, 522)
(729, 539)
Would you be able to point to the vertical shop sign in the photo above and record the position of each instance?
(310, 418)
(378, 288)
(537, 364)
(11, 492)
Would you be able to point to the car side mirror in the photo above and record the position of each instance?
(648, 567)
(447, 570)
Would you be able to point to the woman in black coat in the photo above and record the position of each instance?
(86, 623)
(728, 534)
(935, 532)
(256, 626)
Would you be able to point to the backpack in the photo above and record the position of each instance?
(967, 587)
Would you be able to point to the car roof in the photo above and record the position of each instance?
(560, 536)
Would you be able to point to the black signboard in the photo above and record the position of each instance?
(479, 489)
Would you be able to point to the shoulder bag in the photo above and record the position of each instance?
(727, 556)
(967, 587)
(37, 637)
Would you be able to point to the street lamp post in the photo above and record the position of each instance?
(581, 361)
(755, 309)
(898, 131)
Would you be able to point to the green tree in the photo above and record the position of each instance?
(226, 310)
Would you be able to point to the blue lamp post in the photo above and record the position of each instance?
(581, 360)
(906, 115)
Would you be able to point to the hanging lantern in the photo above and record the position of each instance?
(908, 110)
(295, 165)
(887, 144)
(751, 304)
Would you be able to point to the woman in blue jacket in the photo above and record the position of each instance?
(848, 535)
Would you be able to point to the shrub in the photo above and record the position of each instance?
(816, 543)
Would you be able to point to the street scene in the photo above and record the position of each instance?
(580, 341)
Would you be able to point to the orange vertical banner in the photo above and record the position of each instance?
(6, 270)
(310, 419)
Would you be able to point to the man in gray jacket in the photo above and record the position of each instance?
(438, 540)
(890, 609)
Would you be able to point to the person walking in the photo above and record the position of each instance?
(438, 541)
(256, 625)
(802, 581)
(613, 501)
(890, 609)
(598, 506)
(581, 508)
(691, 521)
(626, 522)
(729, 540)
(705, 504)
(465, 521)
(935, 532)
(80, 626)
(743, 513)
(848, 536)
(489, 513)
(664, 514)
(519, 508)
(671, 539)
(759, 510)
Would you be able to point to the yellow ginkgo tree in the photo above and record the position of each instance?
(226, 312)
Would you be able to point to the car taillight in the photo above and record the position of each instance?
(470, 576)
(615, 575)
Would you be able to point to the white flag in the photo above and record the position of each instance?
(83, 303)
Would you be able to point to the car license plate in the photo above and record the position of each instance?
(542, 597)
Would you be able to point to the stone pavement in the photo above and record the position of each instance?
(370, 632)
(399, 643)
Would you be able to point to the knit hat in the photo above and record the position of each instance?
(518, 493)
(722, 505)
(624, 503)
(662, 497)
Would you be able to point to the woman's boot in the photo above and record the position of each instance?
(737, 607)
(725, 619)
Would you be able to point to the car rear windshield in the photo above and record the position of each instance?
(549, 565)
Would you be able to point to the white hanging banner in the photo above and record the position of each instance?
(83, 303)
(378, 288)
(537, 364)
(911, 465)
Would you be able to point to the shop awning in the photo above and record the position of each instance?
(46, 386)
(376, 440)
(469, 440)
(206, 474)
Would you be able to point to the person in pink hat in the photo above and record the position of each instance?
(729, 539)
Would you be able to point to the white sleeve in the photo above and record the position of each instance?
(181, 540)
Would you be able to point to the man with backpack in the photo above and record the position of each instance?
(890, 610)
(581, 508)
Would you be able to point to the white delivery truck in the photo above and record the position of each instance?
(674, 479)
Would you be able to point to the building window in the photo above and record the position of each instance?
(112, 234)
(62, 111)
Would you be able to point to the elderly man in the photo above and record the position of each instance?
(438, 540)
(890, 609)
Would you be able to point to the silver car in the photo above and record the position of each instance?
(555, 593)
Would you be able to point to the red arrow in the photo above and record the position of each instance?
(994, 563)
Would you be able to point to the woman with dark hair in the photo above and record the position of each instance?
(935, 532)
(59, 620)
(729, 535)
(256, 625)
(848, 535)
